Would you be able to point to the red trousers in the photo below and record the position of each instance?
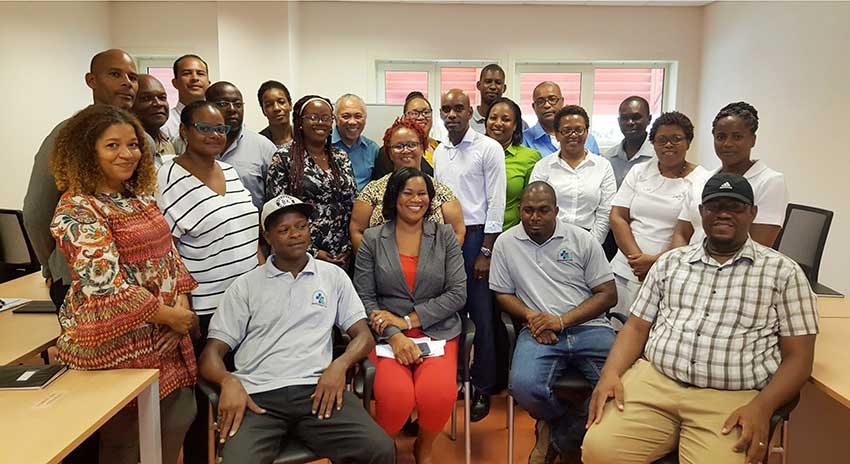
(431, 387)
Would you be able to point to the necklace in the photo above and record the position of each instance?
(679, 174)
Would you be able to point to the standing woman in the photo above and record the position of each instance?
(315, 172)
(214, 224)
(418, 109)
(734, 129)
(277, 107)
(504, 125)
(411, 279)
(583, 181)
(127, 306)
(645, 209)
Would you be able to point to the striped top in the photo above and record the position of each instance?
(216, 235)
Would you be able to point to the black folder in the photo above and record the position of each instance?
(29, 377)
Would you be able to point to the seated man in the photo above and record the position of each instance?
(280, 316)
(553, 277)
(727, 327)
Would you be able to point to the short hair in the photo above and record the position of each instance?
(516, 137)
(638, 99)
(540, 185)
(491, 67)
(409, 124)
(73, 160)
(552, 83)
(347, 96)
(187, 116)
(190, 55)
(213, 88)
(395, 185)
(569, 110)
(268, 85)
(742, 110)
(100, 55)
(413, 96)
(673, 118)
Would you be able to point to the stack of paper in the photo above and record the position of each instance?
(437, 347)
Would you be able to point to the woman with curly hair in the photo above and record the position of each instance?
(315, 172)
(734, 130)
(644, 210)
(127, 306)
(405, 142)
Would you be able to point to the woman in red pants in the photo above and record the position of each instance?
(410, 276)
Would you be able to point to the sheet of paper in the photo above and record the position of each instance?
(437, 347)
(9, 303)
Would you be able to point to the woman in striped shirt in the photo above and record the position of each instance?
(212, 219)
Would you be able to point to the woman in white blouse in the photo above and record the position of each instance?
(734, 130)
(645, 209)
(583, 181)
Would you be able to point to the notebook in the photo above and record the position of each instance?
(36, 307)
(29, 377)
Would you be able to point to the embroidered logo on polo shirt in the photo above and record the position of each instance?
(564, 256)
(319, 298)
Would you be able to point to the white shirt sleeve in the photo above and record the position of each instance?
(349, 307)
(230, 321)
(495, 184)
(772, 199)
(626, 195)
(608, 189)
(539, 172)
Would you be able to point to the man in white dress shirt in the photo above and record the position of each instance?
(473, 166)
(191, 79)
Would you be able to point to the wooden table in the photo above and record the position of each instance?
(22, 335)
(43, 426)
(831, 371)
(833, 307)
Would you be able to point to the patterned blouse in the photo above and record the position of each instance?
(123, 266)
(332, 199)
(373, 194)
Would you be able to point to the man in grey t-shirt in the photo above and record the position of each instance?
(279, 319)
(554, 278)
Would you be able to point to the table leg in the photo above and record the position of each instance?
(150, 435)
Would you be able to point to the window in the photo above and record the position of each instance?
(599, 88)
(162, 69)
(400, 83)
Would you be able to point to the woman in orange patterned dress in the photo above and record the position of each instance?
(128, 305)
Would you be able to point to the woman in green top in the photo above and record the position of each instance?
(504, 125)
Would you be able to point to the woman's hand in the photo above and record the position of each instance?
(641, 263)
(181, 320)
(167, 341)
(380, 319)
(406, 352)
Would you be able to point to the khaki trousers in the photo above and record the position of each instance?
(661, 413)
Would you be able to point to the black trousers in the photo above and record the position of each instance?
(349, 436)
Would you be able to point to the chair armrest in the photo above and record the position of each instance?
(364, 379)
(511, 329)
(782, 414)
(622, 318)
(211, 391)
(467, 338)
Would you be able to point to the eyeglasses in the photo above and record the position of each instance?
(402, 147)
(551, 99)
(416, 113)
(313, 117)
(222, 104)
(728, 205)
(566, 131)
(675, 140)
(209, 129)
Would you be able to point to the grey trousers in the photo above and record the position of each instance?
(349, 436)
(119, 438)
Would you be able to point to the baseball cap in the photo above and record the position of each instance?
(282, 203)
(724, 185)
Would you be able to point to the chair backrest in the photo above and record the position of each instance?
(803, 237)
(15, 247)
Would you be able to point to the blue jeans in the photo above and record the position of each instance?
(480, 308)
(536, 366)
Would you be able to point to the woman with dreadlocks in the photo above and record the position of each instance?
(311, 169)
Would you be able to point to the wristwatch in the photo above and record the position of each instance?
(409, 322)
(486, 252)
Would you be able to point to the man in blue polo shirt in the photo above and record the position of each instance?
(547, 101)
(554, 278)
(280, 316)
(350, 117)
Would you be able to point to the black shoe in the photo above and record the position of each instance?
(480, 407)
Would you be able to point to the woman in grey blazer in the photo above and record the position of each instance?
(409, 274)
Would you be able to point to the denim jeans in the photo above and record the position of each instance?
(537, 366)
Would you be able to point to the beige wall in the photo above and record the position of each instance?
(790, 60)
(45, 49)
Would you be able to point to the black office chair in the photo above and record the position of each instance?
(573, 387)
(17, 257)
(803, 238)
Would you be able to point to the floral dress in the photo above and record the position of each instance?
(123, 267)
(332, 199)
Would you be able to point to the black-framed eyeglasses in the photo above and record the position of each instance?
(675, 140)
(551, 99)
(222, 104)
(417, 113)
(209, 129)
(313, 117)
(402, 147)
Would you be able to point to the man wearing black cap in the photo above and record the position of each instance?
(281, 316)
(728, 330)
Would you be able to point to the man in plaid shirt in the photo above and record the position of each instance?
(727, 329)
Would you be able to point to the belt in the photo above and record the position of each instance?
(475, 227)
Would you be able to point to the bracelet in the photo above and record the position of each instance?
(561, 320)
(409, 322)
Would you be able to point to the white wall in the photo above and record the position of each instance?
(45, 49)
(790, 60)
